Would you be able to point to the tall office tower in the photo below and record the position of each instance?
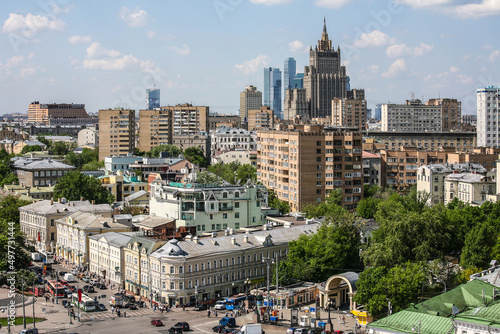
(378, 112)
(325, 78)
(116, 132)
(488, 113)
(155, 128)
(250, 99)
(298, 81)
(153, 98)
(41, 113)
(290, 162)
(289, 72)
(272, 90)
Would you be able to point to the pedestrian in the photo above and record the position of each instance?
(216, 313)
(343, 319)
(46, 298)
(184, 308)
(124, 314)
(340, 320)
(112, 309)
(208, 313)
(161, 309)
(154, 308)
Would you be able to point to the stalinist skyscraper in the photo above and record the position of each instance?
(325, 78)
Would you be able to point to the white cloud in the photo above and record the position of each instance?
(424, 3)
(252, 65)
(110, 64)
(396, 68)
(454, 69)
(14, 61)
(331, 4)
(374, 38)
(151, 34)
(464, 79)
(270, 2)
(133, 17)
(401, 50)
(28, 71)
(31, 55)
(493, 55)
(148, 66)
(30, 24)
(478, 10)
(183, 50)
(96, 51)
(297, 46)
(57, 10)
(79, 39)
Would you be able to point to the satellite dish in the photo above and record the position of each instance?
(454, 310)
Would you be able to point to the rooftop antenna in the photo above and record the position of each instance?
(412, 95)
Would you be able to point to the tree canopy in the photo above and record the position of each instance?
(75, 185)
(234, 172)
(275, 203)
(88, 156)
(172, 150)
(196, 155)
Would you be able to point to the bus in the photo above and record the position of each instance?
(55, 288)
(47, 257)
(235, 303)
(87, 304)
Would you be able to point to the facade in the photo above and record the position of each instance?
(430, 178)
(304, 164)
(349, 112)
(155, 128)
(116, 132)
(163, 166)
(13, 134)
(88, 137)
(34, 173)
(470, 188)
(122, 184)
(152, 98)
(469, 119)
(37, 220)
(295, 103)
(58, 130)
(121, 163)
(414, 116)
(228, 139)
(188, 119)
(261, 118)
(73, 232)
(483, 156)
(325, 78)
(240, 156)
(392, 140)
(298, 81)
(250, 99)
(371, 169)
(185, 141)
(451, 110)
(41, 113)
(488, 133)
(209, 207)
(107, 256)
(289, 71)
(272, 90)
(202, 269)
(230, 121)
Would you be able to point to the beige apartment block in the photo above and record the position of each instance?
(305, 163)
(250, 99)
(116, 132)
(188, 119)
(451, 110)
(40, 113)
(349, 112)
(155, 128)
(261, 118)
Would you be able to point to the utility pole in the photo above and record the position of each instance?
(277, 282)
(268, 261)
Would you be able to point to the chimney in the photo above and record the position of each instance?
(93, 202)
(51, 201)
(214, 234)
(264, 227)
(81, 198)
(226, 232)
(195, 239)
(233, 240)
(245, 238)
(231, 231)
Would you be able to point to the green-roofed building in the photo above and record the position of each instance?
(471, 308)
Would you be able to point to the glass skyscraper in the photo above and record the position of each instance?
(152, 98)
(290, 71)
(272, 90)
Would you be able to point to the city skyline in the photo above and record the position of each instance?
(108, 55)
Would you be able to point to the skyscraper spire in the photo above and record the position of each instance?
(324, 26)
(324, 44)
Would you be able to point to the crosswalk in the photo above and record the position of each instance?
(108, 315)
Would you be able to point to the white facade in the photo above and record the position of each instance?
(88, 137)
(488, 123)
(469, 188)
(209, 207)
(227, 139)
(412, 116)
(241, 156)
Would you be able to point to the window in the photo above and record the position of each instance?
(237, 194)
(224, 194)
(236, 215)
(236, 205)
(224, 216)
(172, 269)
(172, 286)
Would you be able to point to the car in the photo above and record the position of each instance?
(86, 279)
(132, 307)
(175, 330)
(229, 330)
(101, 307)
(72, 288)
(290, 330)
(88, 289)
(201, 307)
(157, 322)
(300, 331)
(314, 331)
(67, 291)
(184, 325)
(101, 286)
(218, 328)
(62, 273)
(93, 282)
(220, 305)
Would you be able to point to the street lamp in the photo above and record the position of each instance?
(331, 304)
(268, 261)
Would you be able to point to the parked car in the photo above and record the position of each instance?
(300, 331)
(101, 307)
(218, 328)
(201, 307)
(314, 331)
(93, 281)
(221, 305)
(88, 289)
(157, 322)
(86, 279)
(184, 325)
(101, 286)
(62, 273)
(175, 330)
(290, 330)
(132, 307)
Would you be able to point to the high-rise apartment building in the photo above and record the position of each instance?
(451, 113)
(262, 118)
(488, 122)
(116, 132)
(250, 99)
(272, 90)
(188, 119)
(153, 98)
(289, 72)
(305, 163)
(155, 128)
(351, 111)
(41, 113)
(325, 78)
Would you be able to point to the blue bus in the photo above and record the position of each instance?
(235, 303)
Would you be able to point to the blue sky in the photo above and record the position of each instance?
(107, 53)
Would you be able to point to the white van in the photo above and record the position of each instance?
(220, 305)
(69, 277)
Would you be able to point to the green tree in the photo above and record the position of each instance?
(478, 246)
(6, 174)
(275, 203)
(207, 177)
(367, 207)
(246, 172)
(333, 249)
(45, 141)
(329, 207)
(172, 150)
(93, 165)
(30, 148)
(196, 155)
(75, 185)
(59, 148)
(79, 160)
(15, 247)
(9, 208)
